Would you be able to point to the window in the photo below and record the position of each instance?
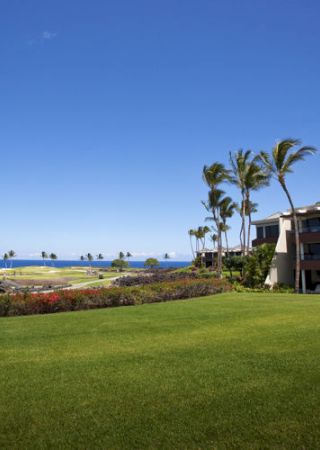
(314, 249)
(259, 232)
(311, 224)
(272, 231)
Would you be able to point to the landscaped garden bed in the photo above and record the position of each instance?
(74, 300)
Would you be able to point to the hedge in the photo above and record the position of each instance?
(75, 300)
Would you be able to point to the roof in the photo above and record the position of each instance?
(301, 210)
(235, 249)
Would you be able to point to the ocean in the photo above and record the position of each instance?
(134, 264)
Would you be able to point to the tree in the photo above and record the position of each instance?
(100, 256)
(191, 234)
(128, 255)
(249, 175)
(257, 265)
(44, 256)
(5, 259)
(166, 256)
(279, 164)
(227, 209)
(89, 257)
(215, 197)
(213, 176)
(82, 258)
(151, 263)
(53, 257)
(121, 255)
(11, 254)
(119, 264)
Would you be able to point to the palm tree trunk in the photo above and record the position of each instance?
(192, 249)
(228, 254)
(297, 238)
(243, 216)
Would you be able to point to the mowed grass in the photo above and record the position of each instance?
(232, 371)
(70, 275)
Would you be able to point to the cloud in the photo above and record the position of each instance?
(47, 35)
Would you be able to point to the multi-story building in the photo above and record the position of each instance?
(278, 229)
(209, 257)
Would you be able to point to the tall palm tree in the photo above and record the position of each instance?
(128, 255)
(215, 197)
(89, 257)
(227, 209)
(166, 256)
(11, 254)
(279, 164)
(82, 258)
(239, 164)
(251, 208)
(256, 177)
(215, 175)
(249, 175)
(191, 234)
(121, 255)
(100, 256)
(53, 257)
(5, 259)
(44, 256)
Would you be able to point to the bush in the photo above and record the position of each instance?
(151, 262)
(161, 276)
(119, 264)
(75, 300)
(257, 265)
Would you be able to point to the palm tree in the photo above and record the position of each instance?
(11, 254)
(5, 259)
(256, 177)
(214, 175)
(239, 164)
(53, 257)
(279, 164)
(166, 256)
(227, 209)
(89, 257)
(191, 233)
(215, 198)
(82, 258)
(44, 256)
(100, 256)
(121, 255)
(249, 175)
(128, 255)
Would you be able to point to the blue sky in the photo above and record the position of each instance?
(110, 109)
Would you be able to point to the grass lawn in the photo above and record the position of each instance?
(233, 371)
(69, 275)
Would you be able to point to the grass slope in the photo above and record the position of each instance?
(224, 372)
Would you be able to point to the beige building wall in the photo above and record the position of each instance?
(281, 266)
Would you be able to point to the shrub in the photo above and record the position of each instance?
(74, 300)
(258, 264)
(119, 264)
(151, 262)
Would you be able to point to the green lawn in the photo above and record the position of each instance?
(233, 371)
(60, 275)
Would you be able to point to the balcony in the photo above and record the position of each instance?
(266, 240)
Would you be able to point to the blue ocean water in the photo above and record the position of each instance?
(133, 264)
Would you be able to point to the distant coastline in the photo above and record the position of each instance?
(73, 263)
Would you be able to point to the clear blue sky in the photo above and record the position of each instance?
(110, 109)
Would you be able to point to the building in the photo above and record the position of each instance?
(209, 257)
(278, 229)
